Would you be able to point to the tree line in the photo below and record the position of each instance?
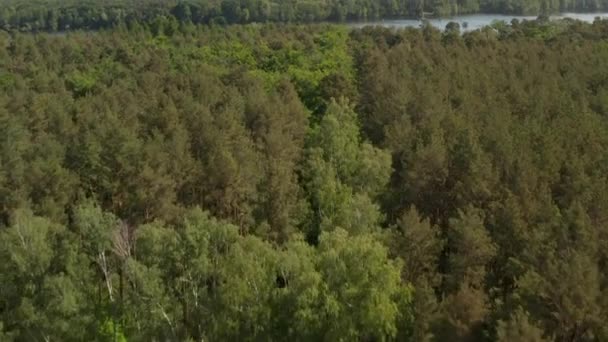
(55, 15)
(286, 182)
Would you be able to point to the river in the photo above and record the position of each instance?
(473, 21)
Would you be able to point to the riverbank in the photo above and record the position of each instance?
(472, 22)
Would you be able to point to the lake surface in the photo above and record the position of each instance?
(473, 21)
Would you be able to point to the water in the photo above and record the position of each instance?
(473, 21)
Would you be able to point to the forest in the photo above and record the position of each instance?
(170, 181)
(63, 15)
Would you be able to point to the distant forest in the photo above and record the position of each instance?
(61, 15)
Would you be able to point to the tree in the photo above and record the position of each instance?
(470, 249)
(519, 328)
(363, 299)
(418, 244)
(41, 297)
(344, 174)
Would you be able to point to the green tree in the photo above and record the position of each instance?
(363, 299)
(344, 174)
(41, 297)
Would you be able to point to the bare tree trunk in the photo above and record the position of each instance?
(103, 264)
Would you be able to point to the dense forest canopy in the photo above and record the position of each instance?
(168, 181)
(61, 15)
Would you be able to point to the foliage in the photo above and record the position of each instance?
(173, 181)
